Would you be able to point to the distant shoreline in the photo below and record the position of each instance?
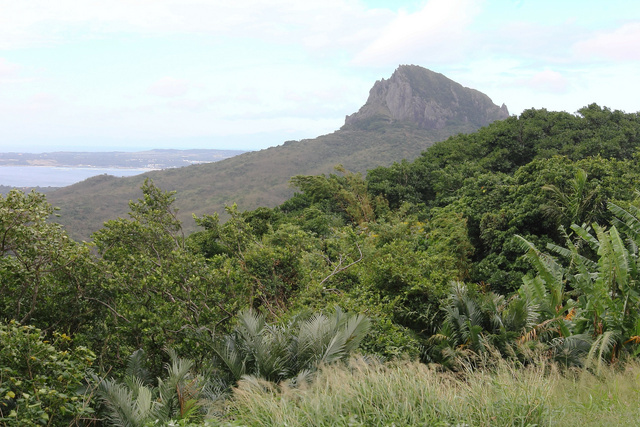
(58, 176)
(148, 160)
(61, 169)
(81, 167)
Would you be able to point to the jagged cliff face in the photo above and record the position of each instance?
(429, 100)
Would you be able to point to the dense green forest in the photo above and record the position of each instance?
(508, 253)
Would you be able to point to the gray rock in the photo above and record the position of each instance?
(427, 99)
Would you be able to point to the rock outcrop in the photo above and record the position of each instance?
(427, 99)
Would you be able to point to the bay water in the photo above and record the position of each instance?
(48, 176)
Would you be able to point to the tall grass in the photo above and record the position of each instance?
(609, 398)
(413, 394)
(401, 394)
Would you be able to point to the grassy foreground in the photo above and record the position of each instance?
(408, 393)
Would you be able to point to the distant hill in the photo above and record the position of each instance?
(402, 117)
(4, 189)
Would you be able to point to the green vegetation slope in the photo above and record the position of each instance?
(506, 257)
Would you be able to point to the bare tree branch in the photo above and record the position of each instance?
(339, 269)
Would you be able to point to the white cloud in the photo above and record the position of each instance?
(547, 81)
(532, 41)
(42, 101)
(10, 74)
(437, 32)
(315, 24)
(8, 69)
(29, 107)
(621, 44)
(169, 87)
(194, 105)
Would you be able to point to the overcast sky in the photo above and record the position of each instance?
(105, 75)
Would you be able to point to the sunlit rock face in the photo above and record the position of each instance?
(427, 99)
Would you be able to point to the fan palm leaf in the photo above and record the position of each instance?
(571, 350)
(601, 348)
(276, 353)
(127, 406)
(136, 367)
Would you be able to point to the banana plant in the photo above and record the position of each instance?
(547, 289)
(602, 276)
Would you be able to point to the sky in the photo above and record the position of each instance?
(127, 75)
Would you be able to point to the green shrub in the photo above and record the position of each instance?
(41, 381)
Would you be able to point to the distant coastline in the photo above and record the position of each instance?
(57, 176)
(60, 169)
(152, 159)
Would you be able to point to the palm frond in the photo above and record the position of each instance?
(601, 348)
(626, 221)
(169, 389)
(355, 330)
(521, 315)
(546, 267)
(127, 406)
(276, 353)
(620, 259)
(571, 350)
(250, 325)
(232, 359)
(136, 366)
(584, 233)
(314, 335)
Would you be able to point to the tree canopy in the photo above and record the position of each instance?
(518, 237)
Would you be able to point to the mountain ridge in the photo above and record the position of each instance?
(428, 99)
(260, 178)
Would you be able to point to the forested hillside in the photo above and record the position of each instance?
(511, 251)
(402, 117)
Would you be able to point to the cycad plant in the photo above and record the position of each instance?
(137, 402)
(478, 323)
(291, 351)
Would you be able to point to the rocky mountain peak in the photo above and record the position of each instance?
(426, 99)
